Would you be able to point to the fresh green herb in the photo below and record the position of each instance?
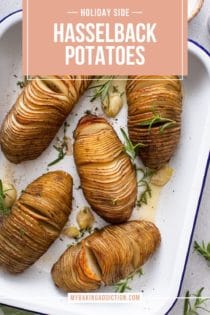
(192, 309)
(146, 172)
(84, 232)
(147, 193)
(13, 311)
(144, 182)
(102, 90)
(23, 83)
(123, 286)
(157, 119)
(130, 149)
(22, 232)
(61, 147)
(204, 250)
(4, 211)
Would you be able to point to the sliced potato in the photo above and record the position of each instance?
(154, 116)
(108, 178)
(35, 221)
(106, 256)
(37, 115)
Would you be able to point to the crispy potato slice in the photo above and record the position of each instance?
(35, 221)
(37, 115)
(154, 116)
(108, 178)
(106, 256)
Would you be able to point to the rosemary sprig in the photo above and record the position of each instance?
(192, 309)
(147, 193)
(146, 172)
(203, 250)
(4, 211)
(61, 147)
(145, 183)
(130, 149)
(102, 90)
(123, 286)
(157, 119)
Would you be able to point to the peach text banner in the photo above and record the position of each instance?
(105, 37)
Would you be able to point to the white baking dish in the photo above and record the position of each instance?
(176, 213)
(194, 7)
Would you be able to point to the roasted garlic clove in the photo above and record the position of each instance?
(162, 176)
(37, 115)
(112, 105)
(85, 218)
(10, 194)
(35, 221)
(71, 231)
(106, 256)
(154, 116)
(108, 178)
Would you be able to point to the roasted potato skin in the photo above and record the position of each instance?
(37, 115)
(147, 96)
(35, 221)
(108, 178)
(119, 250)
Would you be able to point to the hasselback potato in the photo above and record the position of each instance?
(108, 178)
(35, 221)
(154, 116)
(106, 256)
(37, 115)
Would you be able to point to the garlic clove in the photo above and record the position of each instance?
(161, 177)
(10, 194)
(85, 218)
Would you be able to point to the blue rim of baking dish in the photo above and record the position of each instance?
(199, 200)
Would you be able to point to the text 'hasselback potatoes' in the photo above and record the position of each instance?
(106, 256)
(35, 221)
(108, 178)
(154, 116)
(37, 115)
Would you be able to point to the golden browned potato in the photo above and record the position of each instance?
(154, 116)
(37, 115)
(108, 178)
(106, 256)
(35, 221)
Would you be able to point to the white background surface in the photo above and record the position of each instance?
(198, 273)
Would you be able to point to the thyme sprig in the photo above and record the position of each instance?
(198, 304)
(4, 211)
(157, 119)
(130, 149)
(61, 147)
(144, 182)
(23, 83)
(102, 90)
(84, 232)
(123, 286)
(147, 193)
(203, 250)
